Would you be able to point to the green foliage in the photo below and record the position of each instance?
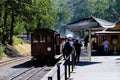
(117, 9)
(106, 9)
(2, 48)
(16, 15)
(46, 15)
(18, 28)
(80, 9)
(17, 41)
(64, 14)
(52, 14)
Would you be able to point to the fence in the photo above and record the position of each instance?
(63, 69)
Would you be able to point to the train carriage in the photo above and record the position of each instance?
(45, 44)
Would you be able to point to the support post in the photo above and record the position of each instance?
(65, 70)
(89, 45)
(69, 66)
(49, 78)
(58, 72)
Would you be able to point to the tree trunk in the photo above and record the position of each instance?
(27, 35)
(12, 27)
(4, 36)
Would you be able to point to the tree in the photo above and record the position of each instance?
(117, 9)
(17, 15)
(45, 16)
(110, 12)
(79, 8)
(64, 14)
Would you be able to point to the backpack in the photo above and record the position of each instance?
(67, 46)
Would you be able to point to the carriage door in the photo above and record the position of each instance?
(57, 43)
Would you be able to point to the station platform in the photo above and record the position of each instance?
(99, 68)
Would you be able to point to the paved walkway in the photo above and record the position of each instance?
(99, 68)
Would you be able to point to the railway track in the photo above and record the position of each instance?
(31, 73)
(14, 60)
(22, 68)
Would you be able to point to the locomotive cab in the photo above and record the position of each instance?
(45, 44)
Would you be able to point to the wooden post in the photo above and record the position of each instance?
(49, 78)
(89, 45)
(58, 72)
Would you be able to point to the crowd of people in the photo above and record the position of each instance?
(69, 45)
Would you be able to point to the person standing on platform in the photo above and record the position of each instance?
(105, 44)
(77, 46)
(68, 47)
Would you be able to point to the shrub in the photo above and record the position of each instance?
(17, 41)
(2, 48)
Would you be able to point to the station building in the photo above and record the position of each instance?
(113, 37)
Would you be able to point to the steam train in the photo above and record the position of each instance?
(45, 44)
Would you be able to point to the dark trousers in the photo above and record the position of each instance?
(78, 55)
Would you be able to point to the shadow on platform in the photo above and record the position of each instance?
(118, 59)
(86, 63)
(101, 53)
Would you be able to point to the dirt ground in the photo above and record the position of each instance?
(24, 49)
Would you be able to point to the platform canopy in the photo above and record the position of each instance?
(91, 22)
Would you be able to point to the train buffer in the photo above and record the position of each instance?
(58, 56)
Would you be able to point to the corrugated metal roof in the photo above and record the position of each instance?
(104, 23)
(91, 22)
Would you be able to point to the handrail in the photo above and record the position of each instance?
(67, 63)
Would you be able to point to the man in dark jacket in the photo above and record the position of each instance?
(68, 48)
(78, 49)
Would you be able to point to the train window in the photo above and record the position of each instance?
(49, 39)
(42, 38)
(35, 39)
